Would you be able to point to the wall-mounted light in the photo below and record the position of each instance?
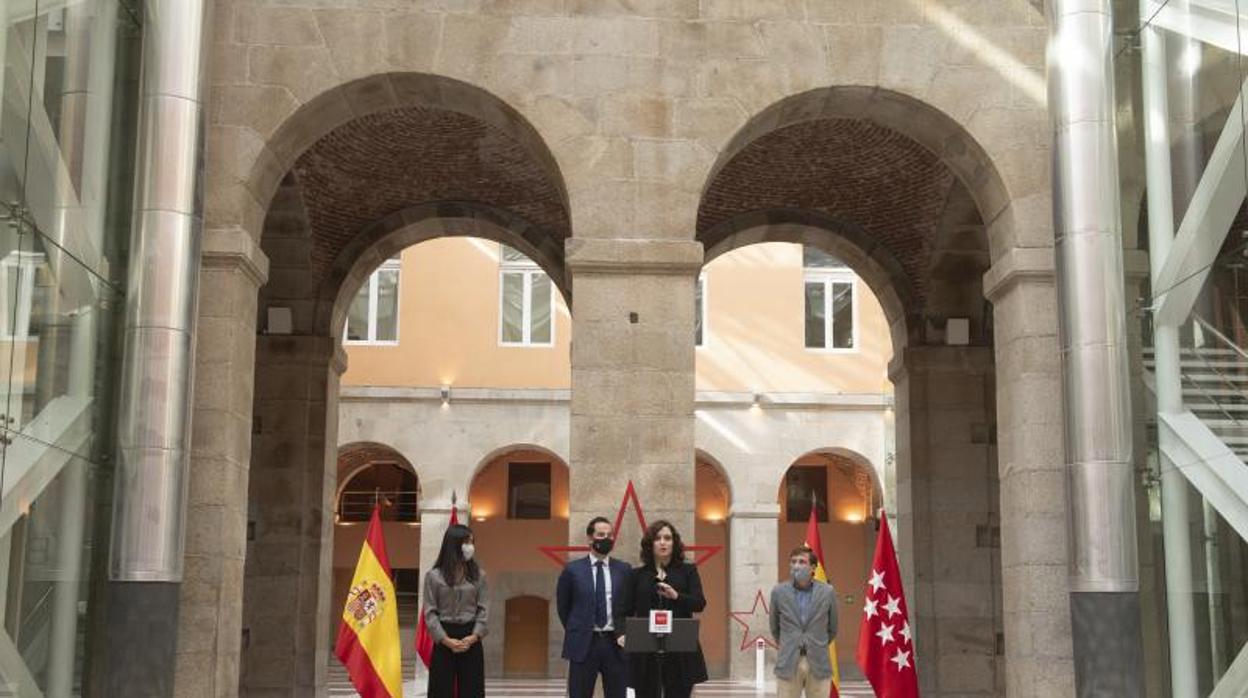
(479, 519)
(757, 404)
(446, 394)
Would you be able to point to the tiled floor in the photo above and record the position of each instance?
(339, 685)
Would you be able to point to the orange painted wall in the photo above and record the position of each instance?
(754, 339)
(755, 335)
(846, 545)
(448, 327)
(511, 545)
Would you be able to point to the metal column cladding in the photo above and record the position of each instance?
(154, 422)
(1104, 576)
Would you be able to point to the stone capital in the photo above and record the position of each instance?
(639, 256)
(755, 510)
(1035, 263)
(967, 360)
(232, 248)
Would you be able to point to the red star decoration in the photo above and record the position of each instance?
(747, 641)
(558, 553)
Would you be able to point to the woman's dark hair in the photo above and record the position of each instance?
(647, 544)
(451, 556)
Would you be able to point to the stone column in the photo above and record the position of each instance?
(946, 518)
(1039, 655)
(211, 596)
(290, 524)
(632, 381)
(752, 535)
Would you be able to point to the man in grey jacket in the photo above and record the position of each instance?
(803, 623)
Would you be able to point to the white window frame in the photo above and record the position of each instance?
(827, 277)
(15, 326)
(701, 311)
(374, 282)
(529, 270)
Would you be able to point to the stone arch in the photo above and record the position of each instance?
(496, 453)
(858, 460)
(417, 224)
(703, 456)
(916, 120)
(284, 142)
(355, 457)
(876, 171)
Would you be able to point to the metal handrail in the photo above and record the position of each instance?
(357, 504)
(1209, 365)
(1221, 337)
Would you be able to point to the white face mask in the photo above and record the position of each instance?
(468, 549)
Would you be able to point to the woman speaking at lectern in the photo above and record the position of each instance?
(666, 581)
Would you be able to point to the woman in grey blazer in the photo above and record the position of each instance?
(803, 623)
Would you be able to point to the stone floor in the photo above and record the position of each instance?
(339, 685)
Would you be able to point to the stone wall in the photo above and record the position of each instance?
(628, 109)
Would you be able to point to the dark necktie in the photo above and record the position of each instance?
(600, 596)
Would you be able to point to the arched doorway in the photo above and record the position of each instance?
(374, 475)
(845, 495)
(334, 210)
(518, 502)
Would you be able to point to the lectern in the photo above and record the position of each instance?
(681, 636)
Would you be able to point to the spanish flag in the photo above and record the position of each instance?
(368, 639)
(821, 573)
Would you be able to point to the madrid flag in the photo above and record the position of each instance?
(424, 641)
(821, 573)
(368, 638)
(885, 639)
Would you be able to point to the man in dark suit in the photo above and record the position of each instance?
(593, 599)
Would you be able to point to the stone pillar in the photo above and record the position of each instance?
(1038, 649)
(211, 596)
(752, 535)
(947, 515)
(632, 382)
(288, 581)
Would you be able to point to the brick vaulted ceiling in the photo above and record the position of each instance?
(862, 175)
(382, 163)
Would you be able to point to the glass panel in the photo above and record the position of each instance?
(1200, 46)
(815, 258)
(540, 307)
(387, 305)
(68, 107)
(816, 323)
(357, 317)
(511, 314)
(843, 315)
(47, 561)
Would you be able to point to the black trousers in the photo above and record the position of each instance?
(606, 658)
(447, 667)
(646, 677)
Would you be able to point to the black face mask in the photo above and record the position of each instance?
(603, 546)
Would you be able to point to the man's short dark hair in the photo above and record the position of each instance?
(589, 530)
(805, 550)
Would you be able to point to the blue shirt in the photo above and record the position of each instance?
(803, 601)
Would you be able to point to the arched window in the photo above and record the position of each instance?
(387, 483)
